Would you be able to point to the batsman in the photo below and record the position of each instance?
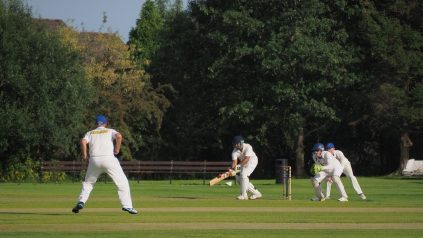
(248, 161)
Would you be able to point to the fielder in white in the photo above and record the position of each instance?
(347, 170)
(248, 160)
(102, 160)
(330, 168)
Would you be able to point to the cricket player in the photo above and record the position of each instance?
(102, 160)
(347, 170)
(248, 160)
(330, 168)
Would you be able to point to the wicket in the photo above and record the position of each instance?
(286, 182)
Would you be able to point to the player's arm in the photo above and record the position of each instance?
(84, 143)
(234, 164)
(245, 160)
(118, 138)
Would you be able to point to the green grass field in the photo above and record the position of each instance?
(190, 209)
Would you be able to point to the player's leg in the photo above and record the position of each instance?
(115, 171)
(350, 174)
(243, 181)
(328, 187)
(248, 170)
(315, 182)
(93, 171)
(340, 186)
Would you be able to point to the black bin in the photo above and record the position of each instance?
(279, 163)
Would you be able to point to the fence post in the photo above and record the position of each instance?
(139, 171)
(204, 171)
(73, 171)
(171, 172)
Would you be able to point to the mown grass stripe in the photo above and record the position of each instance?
(208, 225)
(222, 209)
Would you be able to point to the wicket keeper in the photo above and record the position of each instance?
(328, 166)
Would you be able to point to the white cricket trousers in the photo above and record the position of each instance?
(111, 166)
(244, 181)
(349, 173)
(319, 177)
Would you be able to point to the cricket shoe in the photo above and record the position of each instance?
(343, 199)
(327, 198)
(362, 196)
(316, 199)
(78, 207)
(256, 196)
(130, 210)
(240, 197)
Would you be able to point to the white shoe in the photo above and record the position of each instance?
(362, 196)
(343, 199)
(255, 196)
(240, 197)
(327, 198)
(130, 210)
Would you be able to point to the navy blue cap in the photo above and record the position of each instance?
(330, 146)
(237, 140)
(101, 120)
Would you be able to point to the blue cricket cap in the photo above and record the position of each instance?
(330, 146)
(101, 120)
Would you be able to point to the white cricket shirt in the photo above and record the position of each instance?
(100, 141)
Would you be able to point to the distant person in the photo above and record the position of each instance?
(347, 170)
(330, 167)
(102, 160)
(244, 155)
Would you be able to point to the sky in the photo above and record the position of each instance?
(87, 15)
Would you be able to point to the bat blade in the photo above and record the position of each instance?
(219, 178)
(215, 181)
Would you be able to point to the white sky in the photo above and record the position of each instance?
(87, 15)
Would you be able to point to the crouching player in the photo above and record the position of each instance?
(347, 169)
(326, 165)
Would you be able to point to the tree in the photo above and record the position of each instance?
(260, 68)
(124, 90)
(390, 44)
(42, 91)
(144, 37)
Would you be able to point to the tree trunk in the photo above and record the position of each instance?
(405, 145)
(299, 156)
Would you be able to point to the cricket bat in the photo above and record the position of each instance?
(225, 175)
(219, 178)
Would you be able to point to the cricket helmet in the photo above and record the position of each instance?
(330, 146)
(318, 146)
(237, 140)
(101, 120)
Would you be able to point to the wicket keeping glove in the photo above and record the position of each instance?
(315, 169)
